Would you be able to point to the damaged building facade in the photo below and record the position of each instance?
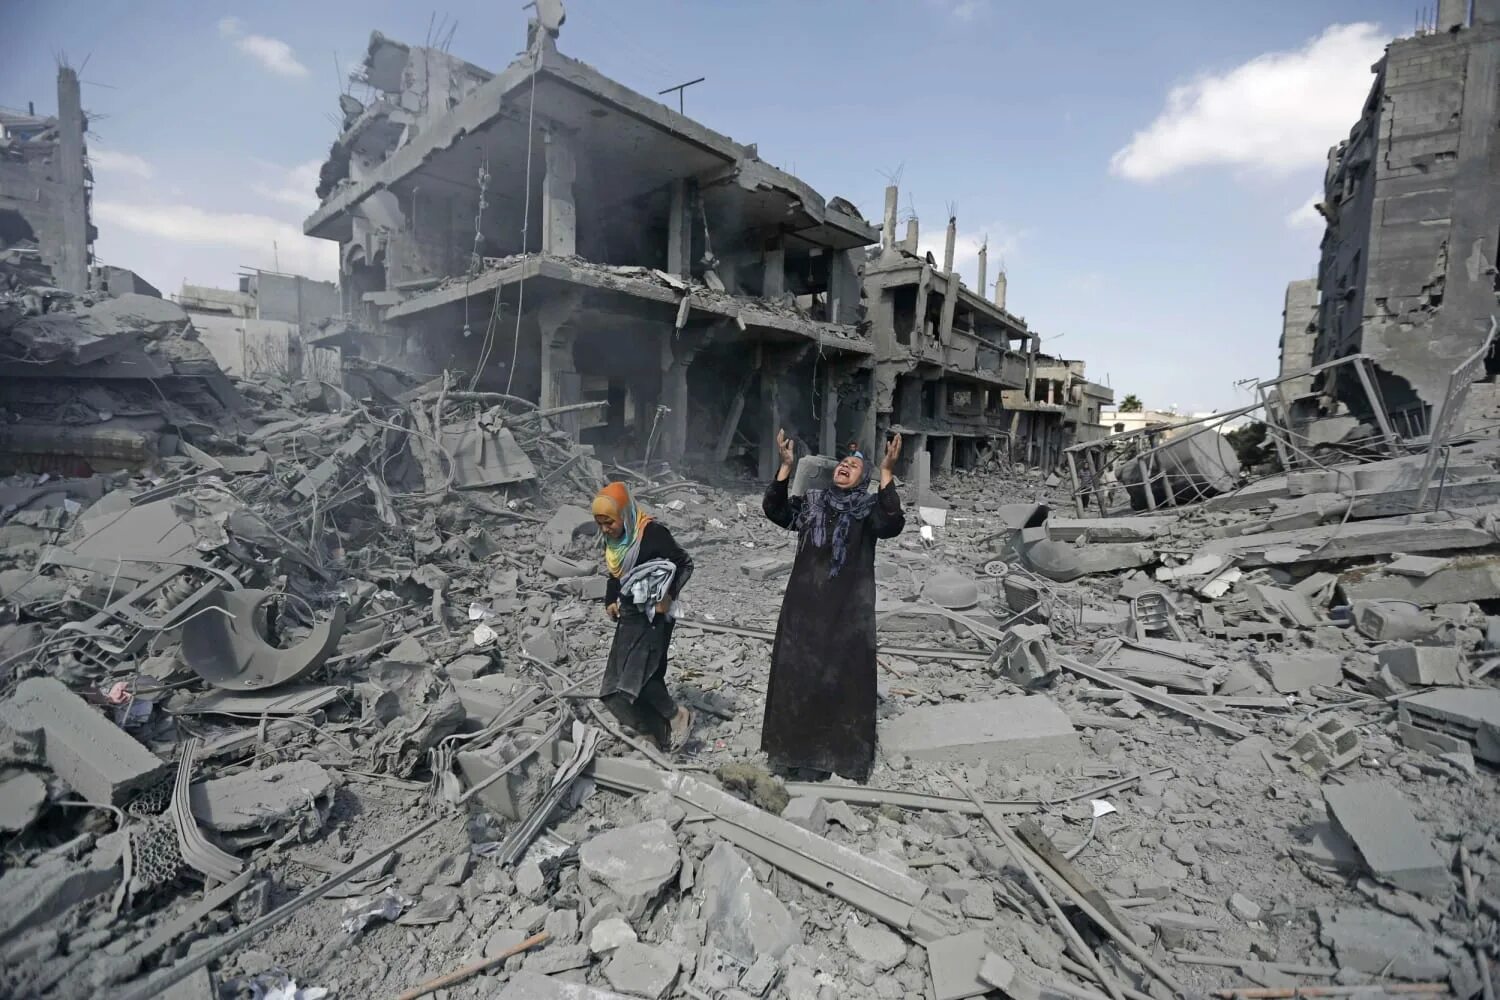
(557, 236)
(1407, 275)
(560, 237)
(45, 187)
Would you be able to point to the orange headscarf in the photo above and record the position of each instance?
(615, 501)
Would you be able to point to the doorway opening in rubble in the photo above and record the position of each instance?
(905, 308)
(930, 400)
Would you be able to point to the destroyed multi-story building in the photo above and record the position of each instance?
(944, 353)
(1407, 276)
(45, 186)
(555, 235)
(558, 236)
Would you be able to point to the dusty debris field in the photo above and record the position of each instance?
(305, 709)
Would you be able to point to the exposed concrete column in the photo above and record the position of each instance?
(888, 230)
(773, 284)
(843, 287)
(913, 234)
(1000, 284)
(950, 241)
(560, 382)
(1486, 12)
(984, 267)
(559, 214)
(676, 358)
(1452, 14)
(868, 433)
(770, 412)
(680, 231)
(73, 255)
(828, 419)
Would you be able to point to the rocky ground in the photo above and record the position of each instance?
(1214, 843)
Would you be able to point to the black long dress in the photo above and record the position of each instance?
(634, 687)
(820, 701)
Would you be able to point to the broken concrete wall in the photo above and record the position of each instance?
(1407, 274)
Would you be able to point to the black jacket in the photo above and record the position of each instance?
(657, 543)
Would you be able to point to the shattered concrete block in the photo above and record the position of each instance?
(96, 758)
(558, 958)
(1468, 714)
(610, 934)
(954, 963)
(1244, 908)
(1001, 974)
(633, 862)
(1062, 562)
(35, 895)
(876, 944)
(563, 926)
(565, 524)
(1391, 621)
(1420, 567)
(1291, 672)
(263, 799)
(503, 940)
(807, 812)
(814, 472)
(21, 798)
(760, 977)
(642, 970)
(739, 914)
(1021, 732)
(1380, 944)
(1394, 846)
(1423, 665)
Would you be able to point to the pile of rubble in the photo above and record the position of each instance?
(299, 693)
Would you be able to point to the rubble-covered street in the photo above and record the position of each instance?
(302, 646)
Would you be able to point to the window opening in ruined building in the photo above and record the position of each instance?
(14, 228)
(930, 400)
(904, 303)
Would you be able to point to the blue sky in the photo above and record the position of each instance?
(1144, 171)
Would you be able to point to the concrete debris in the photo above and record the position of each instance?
(634, 863)
(1376, 818)
(740, 915)
(1024, 733)
(92, 755)
(302, 589)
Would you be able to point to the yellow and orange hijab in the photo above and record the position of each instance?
(620, 553)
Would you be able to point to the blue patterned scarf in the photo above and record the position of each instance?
(840, 507)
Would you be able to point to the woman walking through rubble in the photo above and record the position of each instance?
(820, 701)
(647, 570)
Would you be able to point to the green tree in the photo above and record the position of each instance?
(1131, 404)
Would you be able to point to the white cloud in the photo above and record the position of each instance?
(296, 187)
(963, 10)
(1278, 112)
(264, 241)
(112, 161)
(1305, 216)
(272, 53)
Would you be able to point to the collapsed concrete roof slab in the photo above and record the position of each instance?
(755, 314)
(647, 145)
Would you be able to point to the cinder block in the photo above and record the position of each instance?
(96, 758)
(1423, 665)
(1395, 847)
(814, 472)
(1026, 732)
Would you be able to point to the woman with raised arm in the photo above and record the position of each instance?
(820, 701)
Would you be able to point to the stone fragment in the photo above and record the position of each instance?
(1153, 886)
(760, 977)
(530, 882)
(641, 970)
(1244, 908)
(558, 958)
(1394, 846)
(739, 914)
(567, 522)
(1391, 621)
(766, 567)
(814, 472)
(562, 925)
(844, 816)
(953, 963)
(1420, 567)
(876, 944)
(610, 934)
(21, 798)
(633, 862)
(1001, 974)
(1020, 732)
(1292, 672)
(503, 940)
(260, 799)
(1423, 666)
(1380, 943)
(807, 812)
(95, 757)
(35, 895)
